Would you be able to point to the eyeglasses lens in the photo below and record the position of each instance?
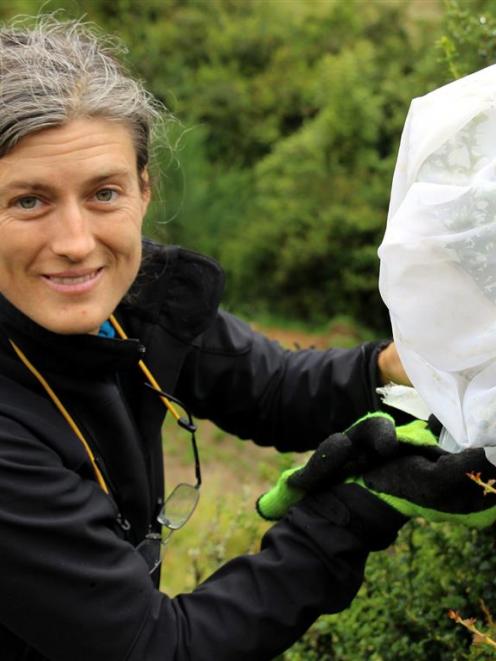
(151, 550)
(177, 509)
(179, 506)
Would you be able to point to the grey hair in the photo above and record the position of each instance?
(54, 71)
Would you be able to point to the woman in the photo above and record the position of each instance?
(81, 407)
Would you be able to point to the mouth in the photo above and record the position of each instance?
(73, 282)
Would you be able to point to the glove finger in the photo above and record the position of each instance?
(434, 425)
(416, 433)
(273, 504)
(375, 433)
(324, 464)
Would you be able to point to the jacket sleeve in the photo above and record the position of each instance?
(72, 589)
(253, 388)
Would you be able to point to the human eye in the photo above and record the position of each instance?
(28, 202)
(106, 195)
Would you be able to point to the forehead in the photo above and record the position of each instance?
(79, 149)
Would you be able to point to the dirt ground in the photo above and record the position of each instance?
(336, 334)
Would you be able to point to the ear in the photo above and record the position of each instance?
(146, 188)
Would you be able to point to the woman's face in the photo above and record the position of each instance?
(71, 211)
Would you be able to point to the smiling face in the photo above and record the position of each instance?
(71, 211)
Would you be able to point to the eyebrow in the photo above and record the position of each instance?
(33, 184)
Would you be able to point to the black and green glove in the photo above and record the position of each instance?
(410, 473)
(434, 484)
(370, 441)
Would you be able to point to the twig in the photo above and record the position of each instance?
(480, 638)
(488, 486)
(487, 614)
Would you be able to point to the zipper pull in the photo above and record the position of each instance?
(123, 523)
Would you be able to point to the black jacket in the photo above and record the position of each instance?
(72, 585)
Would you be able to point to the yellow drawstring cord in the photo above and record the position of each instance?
(72, 424)
(145, 370)
(64, 412)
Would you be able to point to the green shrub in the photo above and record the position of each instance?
(400, 613)
(469, 39)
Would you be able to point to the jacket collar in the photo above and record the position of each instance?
(176, 288)
(79, 354)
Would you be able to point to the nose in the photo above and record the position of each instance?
(72, 233)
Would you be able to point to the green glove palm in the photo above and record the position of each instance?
(403, 467)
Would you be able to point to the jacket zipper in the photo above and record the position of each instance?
(119, 517)
(143, 450)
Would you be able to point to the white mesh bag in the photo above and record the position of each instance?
(438, 256)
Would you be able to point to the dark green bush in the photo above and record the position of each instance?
(469, 39)
(400, 614)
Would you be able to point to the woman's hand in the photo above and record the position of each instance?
(390, 367)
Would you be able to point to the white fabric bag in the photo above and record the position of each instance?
(438, 256)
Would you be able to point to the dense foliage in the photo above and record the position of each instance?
(295, 111)
(401, 610)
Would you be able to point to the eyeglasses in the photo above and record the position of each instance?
(180, 503)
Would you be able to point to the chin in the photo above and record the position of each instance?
(73, 330)
(73, 327)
